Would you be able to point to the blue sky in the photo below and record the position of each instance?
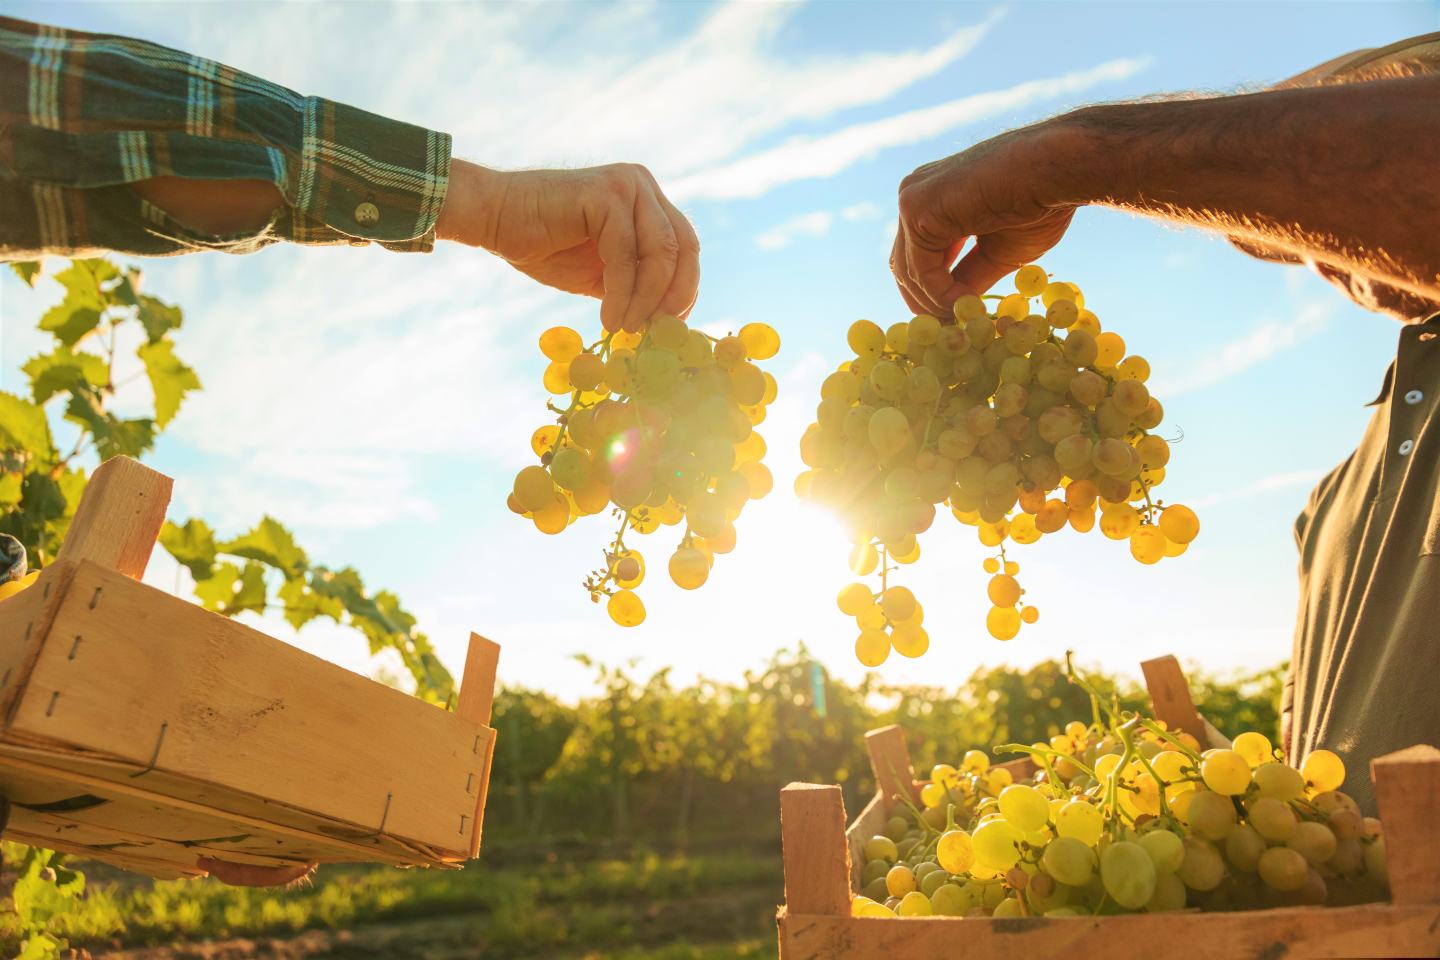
(380, 403)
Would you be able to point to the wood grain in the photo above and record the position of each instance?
(1170, 695)
(159, 681)
(890, 762)
(1372, 930)
(817, 862)
(871, 821)
(477, 683)
(1407, 790)
(119, 517)
(24, 624)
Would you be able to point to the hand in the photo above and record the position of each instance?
(247, 875)
(606, 232)
(1010, 194)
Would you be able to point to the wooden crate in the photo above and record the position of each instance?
(140, 729)
(823, 859)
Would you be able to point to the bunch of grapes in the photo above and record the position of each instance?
(661, 425)
(1124, 817)
(1022, 421)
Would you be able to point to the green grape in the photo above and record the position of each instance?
(1165, 850)
(1081, 820)
(888, 431)
(1225, 772)
(900, 880)
(1069, 861)
(1313, 841)
(1202, 869)
(872, 647)
(1376, 865)
(1272, 820)
(1169, 894)
(1254, 747)
(571, 468)
(932, 882)
(874, 870)
(950, 901)
(534, 489)
(1210, 815)
(954, 851)
(996, 845)
(1323, 771)
(1283, 869)
(1280, 781)
(1128, 874)
(1025, 807)
(854, 598)
(898, 603)
(1243, 848)
(561, 344)
(881, 847)
(760, 339)
(914, 904)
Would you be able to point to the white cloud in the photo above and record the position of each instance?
(864, 210)
(815, 224)
(1276, 481)
(817, 157)
(1238, 355)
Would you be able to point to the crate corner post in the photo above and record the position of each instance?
(1170, 696)
(475, 703)
(1407, 790)
(890, 762)
(119, 517)
(813, 851)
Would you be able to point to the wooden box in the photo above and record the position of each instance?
(140, 729)
(823, 859)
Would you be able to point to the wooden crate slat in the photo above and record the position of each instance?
(812, 837)
(1407, 791)
(890, 763)
(247, 712)
(1371, 930)
(345, 846)
(871, 821)
(476, 700)
(24, 622)
(125, 859)
(1170, 695)
(119, 517)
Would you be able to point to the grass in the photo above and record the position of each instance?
(519, 902)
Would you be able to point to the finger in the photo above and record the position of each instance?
(978, 271)
(616, 243)
(930, 257)
(685, 285)
(901, 270)
(659, 251)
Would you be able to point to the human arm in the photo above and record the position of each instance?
(111, 143)
(1336, 174)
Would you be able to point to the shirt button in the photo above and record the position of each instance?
(1414, 397)
(367, 214)
(1406, 446)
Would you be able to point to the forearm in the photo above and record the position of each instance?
(1336, 174)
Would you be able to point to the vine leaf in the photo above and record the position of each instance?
(269, 543)
(158, 317)
(64, 370)
(169, 378)
(23, 425)
(113, 436)
(231, 590)
(192, 545)
(27, 270)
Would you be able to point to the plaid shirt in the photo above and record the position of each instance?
(83, 116)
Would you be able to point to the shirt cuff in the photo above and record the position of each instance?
(362, 177)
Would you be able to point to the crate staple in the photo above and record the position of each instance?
(154, 757)
(96, 598)
(74, 647)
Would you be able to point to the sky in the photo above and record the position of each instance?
(380, 403)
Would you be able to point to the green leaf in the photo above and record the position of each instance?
(169, 378)
(127, 291)
(113, 436)
(9, 490)
(231, 590)
(41, 946)
(158, 317)
(269, 543)
(79, 313)
(193, 545)
(303, 604)
(70, 323)
(63, 370)
(27, 270)
(23, 426)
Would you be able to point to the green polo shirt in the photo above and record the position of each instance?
(1365, 678)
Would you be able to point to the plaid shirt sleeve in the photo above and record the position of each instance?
(83, 116)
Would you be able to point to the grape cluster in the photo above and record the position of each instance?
(1021, 422)
(661, 425)
(1124, 817)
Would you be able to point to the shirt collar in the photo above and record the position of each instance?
(1389, 382)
